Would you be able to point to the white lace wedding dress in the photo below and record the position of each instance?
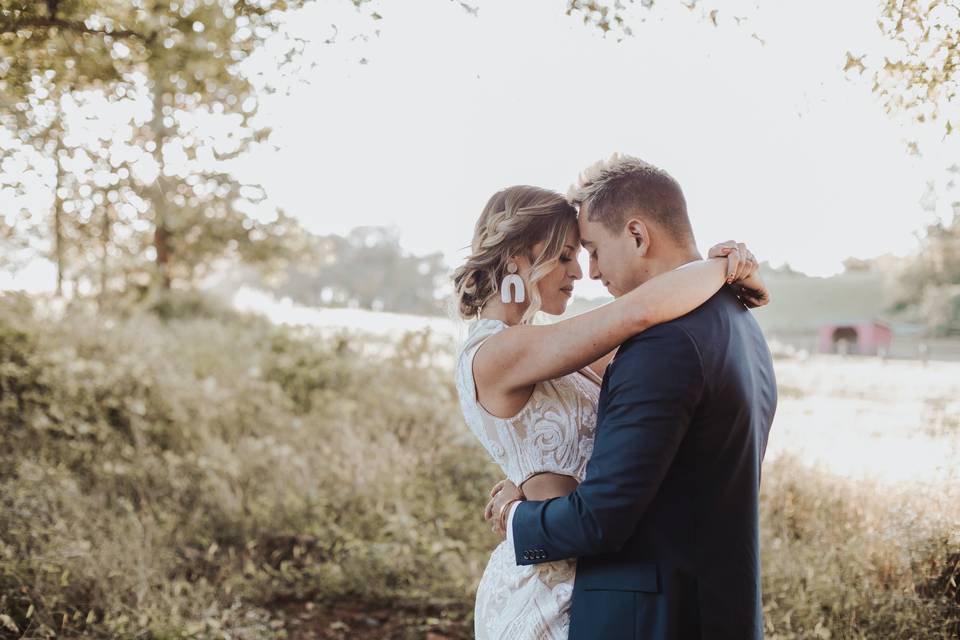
(553, 432)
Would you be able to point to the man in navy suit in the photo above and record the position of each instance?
(665, 522)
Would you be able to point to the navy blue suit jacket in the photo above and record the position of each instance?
(665, 522)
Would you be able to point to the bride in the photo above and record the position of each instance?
(529, 392)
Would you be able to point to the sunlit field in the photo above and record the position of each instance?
(894, 422)
(198, 472)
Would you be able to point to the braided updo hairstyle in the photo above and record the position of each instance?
(514, 219)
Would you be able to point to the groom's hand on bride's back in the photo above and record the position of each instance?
(743, 273)
(501, 495)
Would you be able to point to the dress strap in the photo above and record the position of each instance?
(591, 375)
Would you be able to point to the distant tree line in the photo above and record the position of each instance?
(367, 268)
(930, 284)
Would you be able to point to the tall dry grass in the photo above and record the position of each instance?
(845, 559)
(182, 472)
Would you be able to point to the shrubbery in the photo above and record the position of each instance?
(182, 474)
(857, 560)
(156, 472)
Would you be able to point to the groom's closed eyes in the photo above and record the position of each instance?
(588, 245)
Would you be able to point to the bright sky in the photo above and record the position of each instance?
(773, 144)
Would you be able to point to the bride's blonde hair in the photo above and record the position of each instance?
(514, 219)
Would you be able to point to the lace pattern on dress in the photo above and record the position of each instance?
(552, 432)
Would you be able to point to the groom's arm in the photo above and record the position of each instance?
(653, 387)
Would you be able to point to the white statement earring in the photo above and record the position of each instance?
(512, 280)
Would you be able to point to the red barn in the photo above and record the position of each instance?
(864, 337)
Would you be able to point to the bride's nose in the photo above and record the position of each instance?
(577, 271)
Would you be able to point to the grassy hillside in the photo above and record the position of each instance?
(803, 303)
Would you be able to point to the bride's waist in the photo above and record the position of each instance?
(545, 485)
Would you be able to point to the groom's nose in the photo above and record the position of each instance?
(594, 270)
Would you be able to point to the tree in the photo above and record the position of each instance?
(41, 123)
(918, 80)
(367, 268)
(921, 78)
(930, 286)
(183, 57)
(14, 238)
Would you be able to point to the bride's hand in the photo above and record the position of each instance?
(743, 273)
(501, 493)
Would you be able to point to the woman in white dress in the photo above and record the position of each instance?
(529, 392)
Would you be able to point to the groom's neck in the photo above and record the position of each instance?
(673, 260)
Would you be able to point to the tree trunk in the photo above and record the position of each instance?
(105, 232)
(161, 236)
(58, 209)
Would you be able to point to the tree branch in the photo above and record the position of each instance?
(78, 27)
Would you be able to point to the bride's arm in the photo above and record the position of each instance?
(526, 354)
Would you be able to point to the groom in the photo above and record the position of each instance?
(665, 522)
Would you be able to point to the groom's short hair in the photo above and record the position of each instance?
(615, 189)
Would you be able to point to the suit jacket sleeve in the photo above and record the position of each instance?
(653, 387)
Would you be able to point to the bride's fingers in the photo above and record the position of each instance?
(497, 488)
(754, 267)
(722, 249)
(718, 251)
(745, 264)
(744, 271)
(733, 263)
(748, 262)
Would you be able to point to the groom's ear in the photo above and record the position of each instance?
(638, 231)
